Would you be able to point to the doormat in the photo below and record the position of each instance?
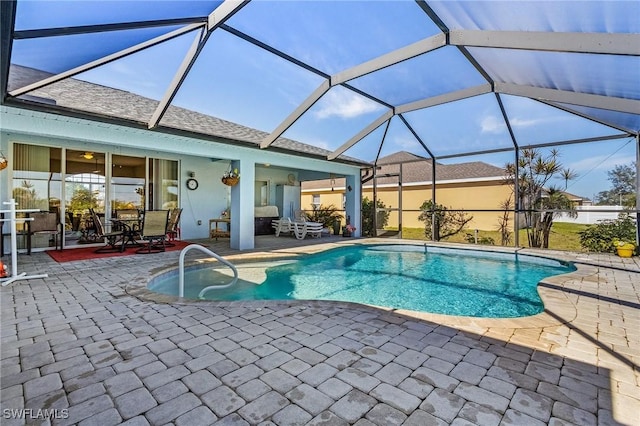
(87, 253)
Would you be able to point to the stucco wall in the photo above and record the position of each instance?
(463, 195)
(194, 154)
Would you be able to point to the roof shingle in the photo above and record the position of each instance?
(83, 96)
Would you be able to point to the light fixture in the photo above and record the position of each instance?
(349, 188)
(88, 155)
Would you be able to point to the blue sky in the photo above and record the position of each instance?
(240, 82)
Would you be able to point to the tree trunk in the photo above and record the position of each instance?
(547, 223)
(535, 232)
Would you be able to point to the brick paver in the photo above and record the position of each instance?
(88, 340)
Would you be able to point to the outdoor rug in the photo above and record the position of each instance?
(85, 253)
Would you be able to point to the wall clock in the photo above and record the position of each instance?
(192, 184)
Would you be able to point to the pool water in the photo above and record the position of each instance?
(444, 281)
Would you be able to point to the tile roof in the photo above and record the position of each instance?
(400, 157)
(416, 169)
(82, 96)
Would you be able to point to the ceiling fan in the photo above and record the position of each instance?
(89, 155)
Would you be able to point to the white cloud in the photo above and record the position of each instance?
(344, 104)
(407, 143)
(521, 122)
(600, 162)
(491, 124)
(318, 143)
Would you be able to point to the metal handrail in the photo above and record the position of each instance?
(209, 252)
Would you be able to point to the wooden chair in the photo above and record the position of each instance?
(111, 239)
(173, 227)
(154, 231)
(44, 223)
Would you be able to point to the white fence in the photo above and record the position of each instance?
(587, 216)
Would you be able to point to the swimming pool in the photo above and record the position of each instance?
(438, 280)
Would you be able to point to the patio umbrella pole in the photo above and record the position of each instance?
(14, 244)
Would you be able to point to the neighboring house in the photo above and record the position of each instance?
(576, 200)
(468, 186)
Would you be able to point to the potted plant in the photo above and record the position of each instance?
(336, 227)
(231, 178)
(348, 230)
(624, 248)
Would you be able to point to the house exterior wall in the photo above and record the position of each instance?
(194, 155)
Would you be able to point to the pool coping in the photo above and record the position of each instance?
(558, 306)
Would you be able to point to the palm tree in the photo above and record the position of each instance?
(567, 175)
(535, 170)
(555, 200)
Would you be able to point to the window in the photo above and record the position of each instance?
(316, 200)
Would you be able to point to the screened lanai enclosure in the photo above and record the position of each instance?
(509, 115)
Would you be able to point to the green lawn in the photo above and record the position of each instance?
(564, 236)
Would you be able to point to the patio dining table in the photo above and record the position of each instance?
(130, 230)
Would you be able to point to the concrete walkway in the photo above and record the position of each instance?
(84, 347)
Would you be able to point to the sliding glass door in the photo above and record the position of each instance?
(127, 182)
(163, 185)
(43, 176)
(84, 189)
(37, 184)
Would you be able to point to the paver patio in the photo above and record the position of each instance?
(87, 346)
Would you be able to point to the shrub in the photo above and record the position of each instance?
(326, 215)
(600, 237)
(368, 229)
(471, 239)
(448, 222)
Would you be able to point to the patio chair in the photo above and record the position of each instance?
(127, 214)
(282, 225)
(173, 227)
(302, 229)
(111, 239)
(299, 229)
(44, 223)
(314, 229)
(300, 216)
(154, 231)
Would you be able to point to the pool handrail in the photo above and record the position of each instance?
(184, 251)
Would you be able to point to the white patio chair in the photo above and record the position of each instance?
(314, 229)
(282, 225)
(299, 229)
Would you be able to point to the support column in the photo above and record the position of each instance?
(242, 206)
(353, 205)
(516, 201)
(435, 231)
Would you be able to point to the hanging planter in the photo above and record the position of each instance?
(3, 161)
(230, 180)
